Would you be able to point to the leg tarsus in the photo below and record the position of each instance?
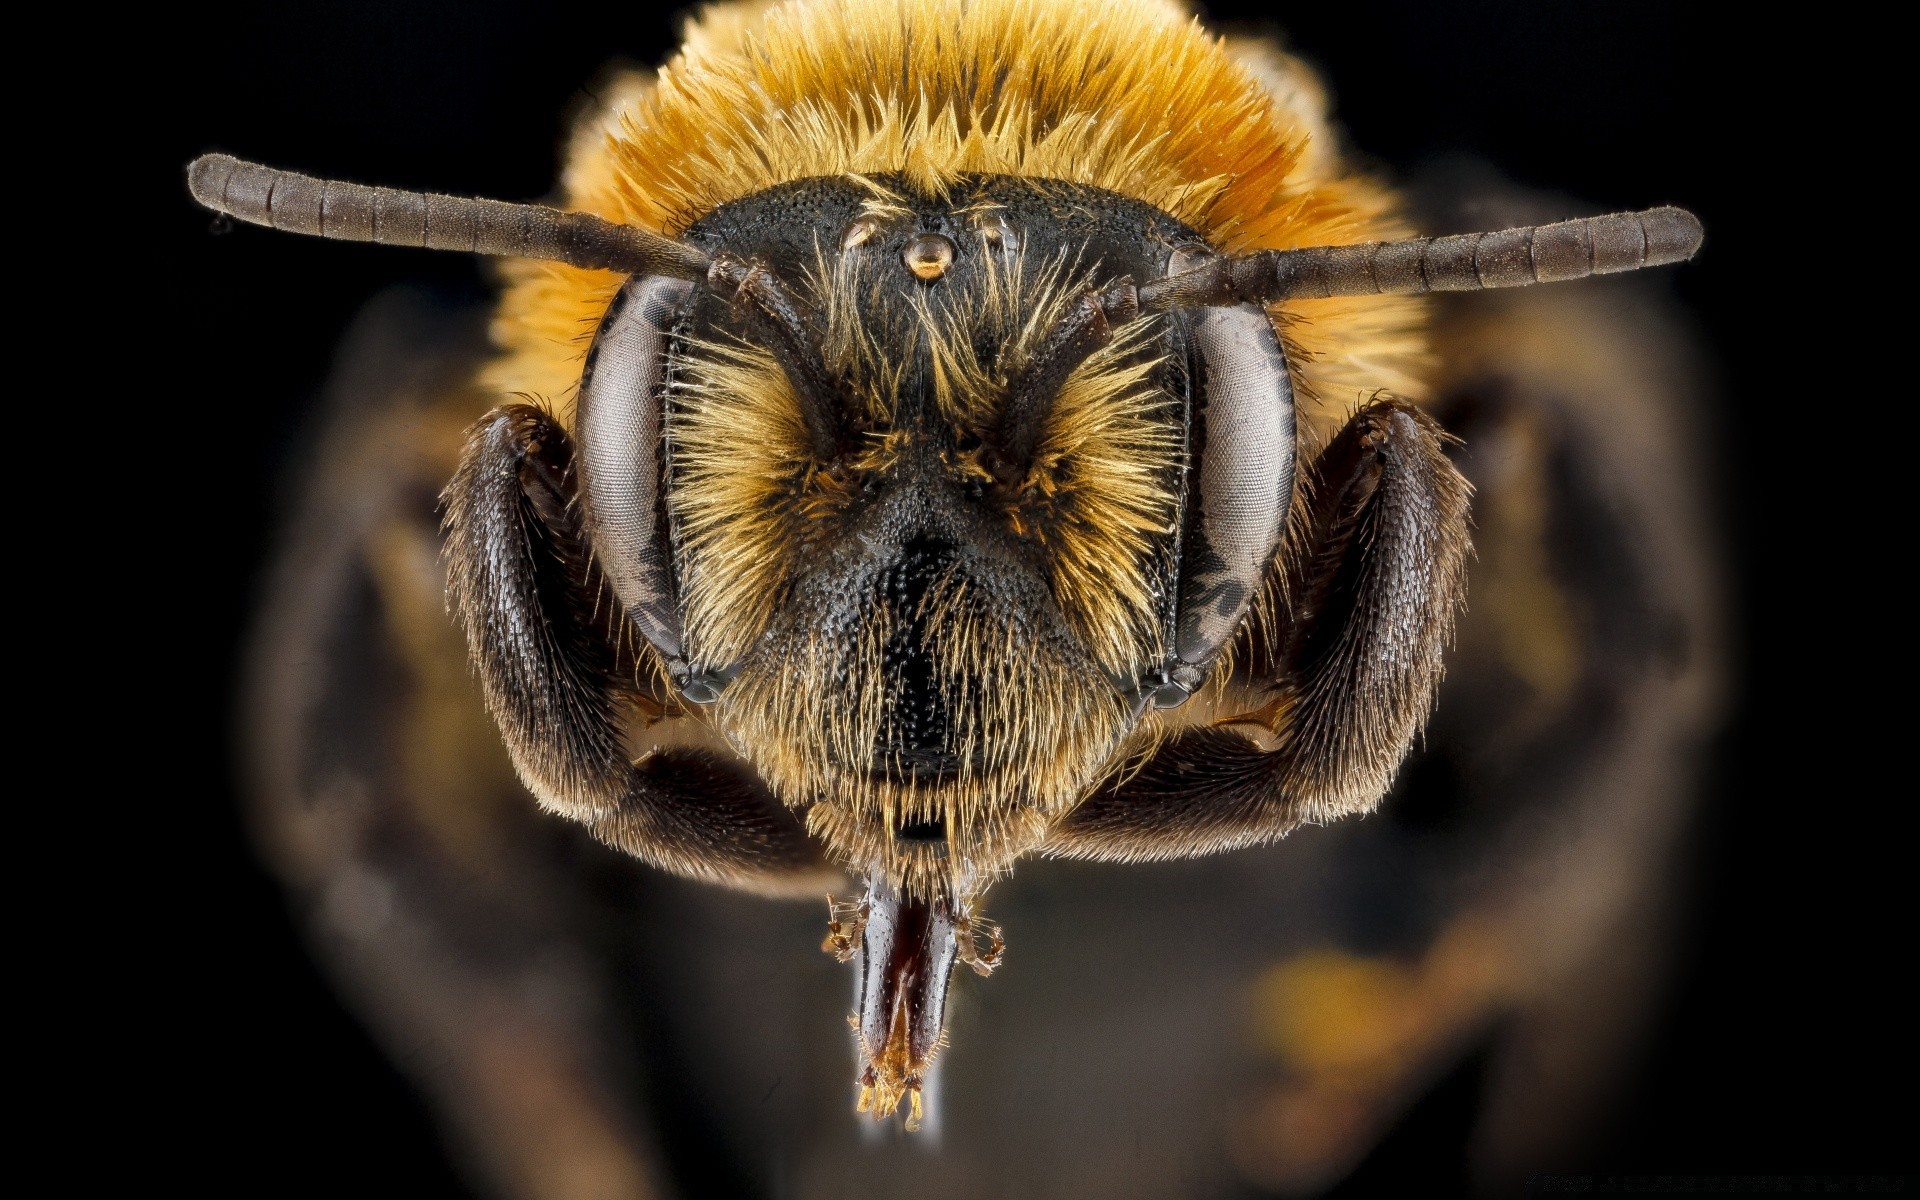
(983, 961)
(846, 923)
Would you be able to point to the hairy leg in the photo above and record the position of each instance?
(538, 627)
(1374, 576)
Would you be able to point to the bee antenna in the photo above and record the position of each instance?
(1464, 262)
(354, 212)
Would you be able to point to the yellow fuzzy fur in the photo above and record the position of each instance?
(1094, 497)
(1129, 95)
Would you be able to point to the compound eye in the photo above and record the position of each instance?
(1243, 476)
(622, 411)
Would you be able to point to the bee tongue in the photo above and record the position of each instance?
(907, 950)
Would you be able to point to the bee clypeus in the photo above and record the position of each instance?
(998, 436)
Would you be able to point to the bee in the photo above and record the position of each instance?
(951, 434)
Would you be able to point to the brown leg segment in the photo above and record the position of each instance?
(537, 633)
(1375, 575)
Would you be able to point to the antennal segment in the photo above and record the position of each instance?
(1464, 262)
(355, 212)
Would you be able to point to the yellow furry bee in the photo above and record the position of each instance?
(949, 433)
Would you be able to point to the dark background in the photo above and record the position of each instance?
(1781, 1044)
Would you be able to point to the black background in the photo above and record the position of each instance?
(1781, 1044)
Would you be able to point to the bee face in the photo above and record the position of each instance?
(930, 626)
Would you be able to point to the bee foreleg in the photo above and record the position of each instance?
(1375, 573)
(537, 627)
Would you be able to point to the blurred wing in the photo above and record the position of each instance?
(458, 920)
(1564, 757)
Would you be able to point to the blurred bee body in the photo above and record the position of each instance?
(957, 432)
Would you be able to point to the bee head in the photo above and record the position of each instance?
(912, 489)
(920, 511)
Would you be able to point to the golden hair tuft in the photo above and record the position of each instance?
(1132, 96)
